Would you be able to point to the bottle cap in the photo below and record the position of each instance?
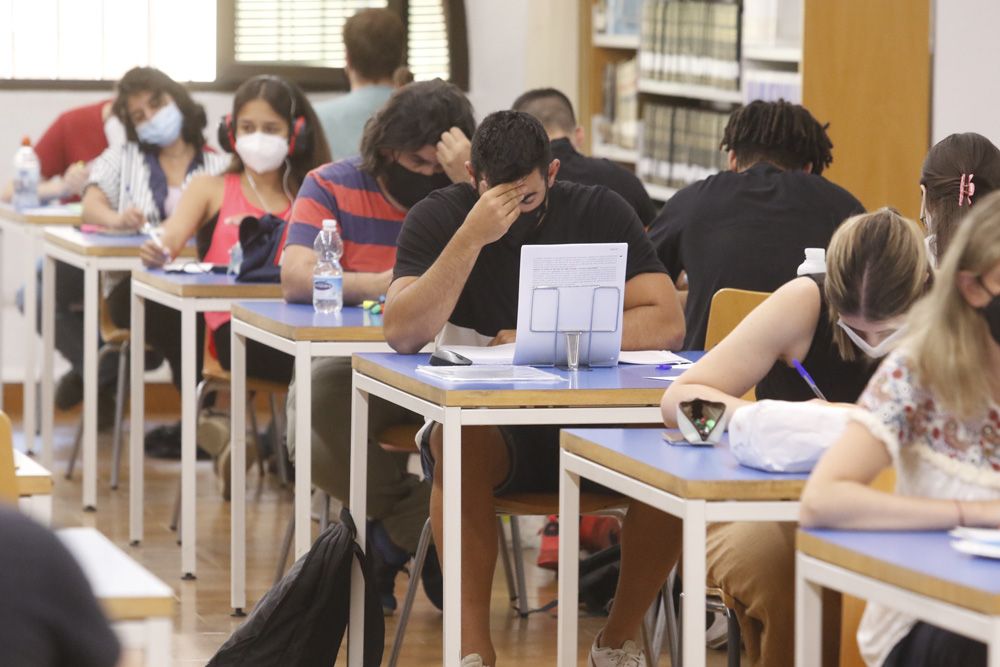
(25, 140)
(330, 224)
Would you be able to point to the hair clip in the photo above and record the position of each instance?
(966, 188)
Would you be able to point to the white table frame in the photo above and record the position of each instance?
(452, 419)
(303, 353)
(189, 307)
(92, 267)
(812, 575)
(694, 512)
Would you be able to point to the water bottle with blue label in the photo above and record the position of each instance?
(27, 173)
(328, 276)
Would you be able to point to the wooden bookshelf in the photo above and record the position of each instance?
(614, 153)
(622, 42)
(689, 91)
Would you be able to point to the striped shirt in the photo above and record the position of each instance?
(368, 223)
(123, 174)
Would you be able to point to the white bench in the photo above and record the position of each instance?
(34, 488)
(139, 605)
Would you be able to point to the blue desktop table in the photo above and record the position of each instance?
(189, 294)
(297, 330)
(917, 573)
(698, 484)
(618, 395)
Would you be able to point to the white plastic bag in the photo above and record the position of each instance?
(784, 436)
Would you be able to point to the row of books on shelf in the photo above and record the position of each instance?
(617, 17)
(680, 145)
(690, 42)
(621, 105)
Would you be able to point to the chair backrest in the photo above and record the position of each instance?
(8, 481)
(729, 307)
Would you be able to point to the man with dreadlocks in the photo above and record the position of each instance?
(748, 227)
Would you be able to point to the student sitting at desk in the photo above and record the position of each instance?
(554, 110)
(748, 227)
(931, 413)
(141, 182)
(276, 140)
(958, 171)
(839, 326)
(457, 269)
(403, 158)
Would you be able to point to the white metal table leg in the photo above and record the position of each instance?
(993, 646)
(808, 618)
(158, 638)
(452, 501)
(358, 505)
(137, 399)
(693, 607)
(90, 307)
(303, 449)
(2, 263)
(48, 344)
(30, 342)
(238, 454)
(569, 563)
(189, 341)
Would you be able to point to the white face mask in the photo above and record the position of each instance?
(262, 152)
(114, 131)
(880, 350)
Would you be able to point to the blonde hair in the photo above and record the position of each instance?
(876, 269)
(948, 337)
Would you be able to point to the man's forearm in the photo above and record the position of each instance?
(648, 328)
(417, 313)
(359, 287)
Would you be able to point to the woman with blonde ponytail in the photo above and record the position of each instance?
(932, 411)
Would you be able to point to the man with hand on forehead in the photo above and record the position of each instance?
(456, 272)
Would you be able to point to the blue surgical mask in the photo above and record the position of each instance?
(163, 128)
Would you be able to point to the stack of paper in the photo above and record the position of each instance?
(499, 374)
(504, 355)
(983, 542)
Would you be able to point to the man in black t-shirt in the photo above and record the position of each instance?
(555, 112)
(748, 228)
(457, 269)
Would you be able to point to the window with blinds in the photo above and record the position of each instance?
(310, 33)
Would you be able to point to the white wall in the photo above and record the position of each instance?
(966, 94)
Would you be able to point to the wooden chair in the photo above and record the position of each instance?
(116, 340)
(729, 307)
(8, 481)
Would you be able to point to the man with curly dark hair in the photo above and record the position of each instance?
(410, 147)
(748, 227)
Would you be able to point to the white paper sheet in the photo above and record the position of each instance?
(499, 374)
(577, 287)
(652, 358)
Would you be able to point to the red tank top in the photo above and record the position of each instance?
(235, 207)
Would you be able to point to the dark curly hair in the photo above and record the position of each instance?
(415, 116)
(152, 80)
(509, 145)
(781, 133)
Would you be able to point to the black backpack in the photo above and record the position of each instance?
(261, 240)
(301, 621)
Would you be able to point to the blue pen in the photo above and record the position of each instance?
(808, 378)
(664, 367)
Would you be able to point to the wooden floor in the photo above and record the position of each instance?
(202, 621)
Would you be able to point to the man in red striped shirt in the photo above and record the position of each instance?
(417, 143)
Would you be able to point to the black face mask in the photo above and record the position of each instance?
(408, 187)
(991, 313)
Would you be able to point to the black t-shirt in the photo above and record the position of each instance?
(577, 168)
(840, 381)
(48, 614)
(746, 230)
(488, 303)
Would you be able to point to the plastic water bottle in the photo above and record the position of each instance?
(235, 259)
(328, 276)
(815, 262)
(27, 173)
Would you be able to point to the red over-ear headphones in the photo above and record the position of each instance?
(300, 136)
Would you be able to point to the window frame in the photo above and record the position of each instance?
(230, 74)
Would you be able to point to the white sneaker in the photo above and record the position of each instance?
(717, 633)
(629, 655)
(472, 660)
